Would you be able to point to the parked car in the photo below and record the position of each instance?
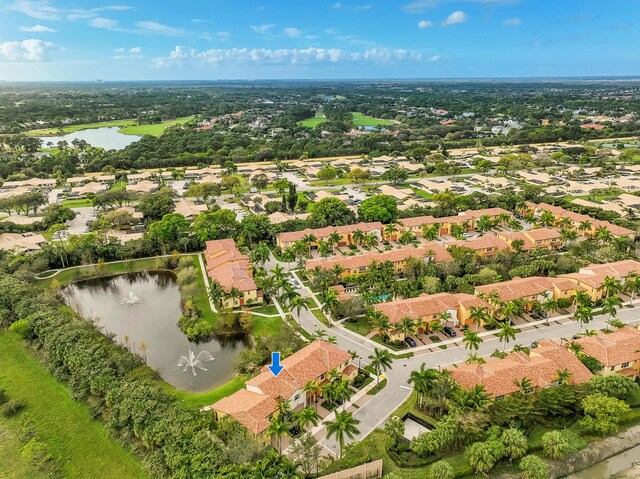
(410, 342)
(467, 235)
(449, 331)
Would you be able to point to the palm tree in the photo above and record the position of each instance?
(547, 218)
(524, 385)
(330, 302)
(307, 416)
(279, 278)
(478, 315)
(584, 226)
(581, 298)
(567, 236)
(407, 237)
(233, 294)
(473, 358)
(358, 236)
(287, 294)
(312, 388)
(471, 340)
(632, 285)
(278, 428)
(511, 310)
(563, 376)
(371, 240)
(216, 292)
(609, 307)
(380, 361)
(423, 381)
(378, 321)
(603, 235)
(506, 334)
(288, 255)
(308, 239)
(583, 315)
(344, 426)
(334, 239)
(444, 317)
(390, 230)
(260, 254)
(298, 303)
(430, 232)
(610, 286)
(406, 326)
(344, 392)
(323, 248)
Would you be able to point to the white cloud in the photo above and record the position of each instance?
(104, 23)
(456, 17)
(38, 29)
(114, 8)
(337, 5)
(135, 50)
(366, 6)
(264, 28)
(27, 50)
(511, 22)
(292, 32)
(40, 10)
(434, 58)
(425, 24)
(159, 28)
(180, 56)
(119, 50)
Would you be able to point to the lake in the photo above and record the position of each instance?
(150, 326)
(108, 138)
(610, 467)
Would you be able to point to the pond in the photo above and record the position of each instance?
(611, 467)
(108, 138)
(141, 310)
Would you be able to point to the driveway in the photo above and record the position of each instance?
(78, 225)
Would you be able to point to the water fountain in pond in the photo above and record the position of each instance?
(194, 361)
(132, 300)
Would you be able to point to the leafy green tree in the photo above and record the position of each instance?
(394, 429)
(381, 208)
(168, 231)
(602, 414)
(260, 181)
(614, 385)
(483, 456)
(327, 173)
(515, 443)
(441, 470)
(155, 205)
(533, 467)
(395, 175)
(330, 212)
(211, 225)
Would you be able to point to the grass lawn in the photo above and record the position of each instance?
(155, 129)
(11, 465)
(118, 185)
(198, 400)
(79, 203)
(320, 316)
(262, 326)
(361, 326)
(313, 122)
(82, 445)
(422, 193)
(363, 120)
(264, 309)
(201, 299)
(74, 128)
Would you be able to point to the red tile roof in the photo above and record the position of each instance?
(613, 349)
(249, 408)
(226, 265)
(322, 233)
(594, 274)
(540, 367)
(522, 287)
(426, 305)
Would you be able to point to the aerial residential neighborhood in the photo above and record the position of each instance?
(319, 240)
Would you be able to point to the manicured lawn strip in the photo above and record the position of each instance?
(320, 316)
(264, 309)
(198, 400)
(155, 129)
(73, 274)
(118, 185)
(422, 193)
(361, 326)
(74, 128)
(410, 406)
(201, 299)
(377, 388)
(82, 444)
(79, 203)
(11, 464)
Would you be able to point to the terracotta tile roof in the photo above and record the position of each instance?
(226, 265)
(322, 233)
(482, 243)
(465, 216)
(620, 346)
(540, 367)
(309, 363)
(578, 218)
(249, 408)
(522, 287)
(543, 234)
(394, 256)
(426, 305)
(594, 274)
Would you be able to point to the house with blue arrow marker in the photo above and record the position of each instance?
(286, 380)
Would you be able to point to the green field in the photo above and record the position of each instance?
(358, 120)
(82, 446)
(198, 400)
(127, 127)
(77, 203)
(363, 120)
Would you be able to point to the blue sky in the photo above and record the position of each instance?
(236, 39)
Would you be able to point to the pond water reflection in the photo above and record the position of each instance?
(149, 326)
(107, 137)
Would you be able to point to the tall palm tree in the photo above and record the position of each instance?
(371, 240)
(430, 232)
(632, 285)
(307, 416)
(344, 392)
(423, 381)
(278, 275)
(585, 226)
(344, 426)
(506, 334)
(471, 340)
(216, 292)
(288, 255)
(278, 428)
(547, 218)
(610, 286)
(610, 306)
(298, 303)
(380, 361)
(308, 240)
(478, 315)
(390, 230)
(334, 239)
(330, 302)
(379, 322)
(358, 236)
(407, 237)
(524, 385)
(583, 315)
(312, 387)
(406, 326)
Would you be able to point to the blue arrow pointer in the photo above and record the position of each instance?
(275, 367)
